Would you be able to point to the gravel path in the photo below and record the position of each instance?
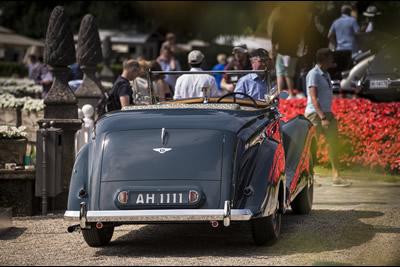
(358, 226)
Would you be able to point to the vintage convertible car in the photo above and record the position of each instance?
(201, 160)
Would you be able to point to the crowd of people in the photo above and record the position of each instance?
(288, 45)
(294, 46)
(293, 42)
(293, 51)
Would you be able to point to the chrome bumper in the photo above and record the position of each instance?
(181, 215)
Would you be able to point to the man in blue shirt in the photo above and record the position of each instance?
(344, 29)
(318, 110)
(254, 84)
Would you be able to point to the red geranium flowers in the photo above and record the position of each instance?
(369, 133)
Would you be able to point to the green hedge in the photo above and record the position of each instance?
(116, 68)
(8, 69)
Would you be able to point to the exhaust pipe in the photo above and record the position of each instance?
(74, 228)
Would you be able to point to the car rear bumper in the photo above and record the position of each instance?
(157, 215)
(176, 215)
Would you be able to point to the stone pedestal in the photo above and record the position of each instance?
(89, 92)
(17, 190)
(13, 151)
(60, 101)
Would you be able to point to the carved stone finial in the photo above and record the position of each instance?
(89, 45)
(89, 54)
(59, 52)
(59, 47)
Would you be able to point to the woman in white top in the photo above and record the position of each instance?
(141, 90)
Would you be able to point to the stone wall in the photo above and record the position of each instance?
(30, 119)
(17, 190)
(17, 117)
(10, 116)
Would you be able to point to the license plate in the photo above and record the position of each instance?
(159, 198)
(377, 84)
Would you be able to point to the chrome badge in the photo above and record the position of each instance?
(162, 150)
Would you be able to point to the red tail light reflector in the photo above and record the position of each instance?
(123, 197)
(193, 196)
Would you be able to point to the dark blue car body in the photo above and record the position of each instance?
(185, 161)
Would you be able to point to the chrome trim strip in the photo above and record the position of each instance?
(159, 215)
(72, 216)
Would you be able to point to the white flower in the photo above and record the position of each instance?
(13, 85)
(26, 103)
(10, 132)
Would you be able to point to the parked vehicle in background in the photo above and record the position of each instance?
(199, 160)
(376, 72)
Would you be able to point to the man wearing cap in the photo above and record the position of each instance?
(241, 62)
(191, 85)
(254, 84)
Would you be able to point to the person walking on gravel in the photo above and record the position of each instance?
(318, 110)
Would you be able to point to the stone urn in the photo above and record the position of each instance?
(13, 151)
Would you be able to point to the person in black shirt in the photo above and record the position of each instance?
(122, 89)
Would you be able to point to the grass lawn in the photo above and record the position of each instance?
(366, 175)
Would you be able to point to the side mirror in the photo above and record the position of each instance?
(283, 95)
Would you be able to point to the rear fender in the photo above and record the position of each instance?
(261, 177)
(299, 137)
(79, 181)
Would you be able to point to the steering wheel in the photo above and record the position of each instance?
(234, 97)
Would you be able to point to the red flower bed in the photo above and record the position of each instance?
(369, 133)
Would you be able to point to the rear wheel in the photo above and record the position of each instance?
(98, 237)
(266, 230)
(302, 204)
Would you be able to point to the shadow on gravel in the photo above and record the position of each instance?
(321, 230)
(12, 233)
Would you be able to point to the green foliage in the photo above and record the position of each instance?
(8, 69)
(116, 68)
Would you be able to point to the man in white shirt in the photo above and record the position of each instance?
(191, 85)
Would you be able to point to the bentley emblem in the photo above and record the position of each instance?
(162, 150)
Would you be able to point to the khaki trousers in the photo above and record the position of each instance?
(331, 134)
